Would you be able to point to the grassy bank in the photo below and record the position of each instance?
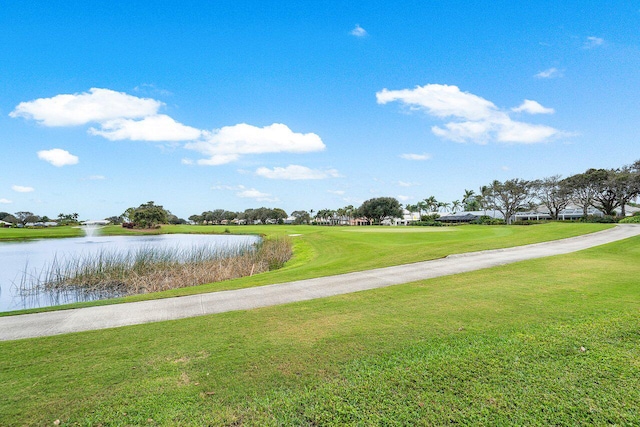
(9, 234)
(544, 342)
(323, 251)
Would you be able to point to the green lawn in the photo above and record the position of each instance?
(39, 233)
(322, 251)
(544, 342)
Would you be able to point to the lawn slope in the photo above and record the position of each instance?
(551, 341)
(323, 251)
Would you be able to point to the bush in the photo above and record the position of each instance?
(428, 223)
(607, 219)
(635, 219)
(487, 220)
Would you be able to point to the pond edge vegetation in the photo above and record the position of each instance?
(111, 274)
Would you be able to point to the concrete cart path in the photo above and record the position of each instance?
(110, 316)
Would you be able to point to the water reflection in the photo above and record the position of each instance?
(21, 260)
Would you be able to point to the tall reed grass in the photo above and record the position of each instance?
(113, 274)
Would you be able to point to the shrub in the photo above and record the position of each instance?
(487, 220)
(428, 223)
(607, 219)
(635, 219)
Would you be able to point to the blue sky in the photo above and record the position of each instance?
(301, 105)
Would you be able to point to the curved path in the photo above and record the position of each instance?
(110, 316)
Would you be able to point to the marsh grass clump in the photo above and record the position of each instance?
(144, 270)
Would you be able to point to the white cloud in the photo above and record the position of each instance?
(97, 105)
(549, 73)
(96, 178)
(5, 201)
(526, 133)
(247, 193)
(296, 172)
(228, 187)
(358, 31)
(441, 101)
(532, 107)
(58, 157)
(159, 127)
(403, 198)
(412, 156)
(22, 189)
(336, 192)
(593, 42)
(478, 132)
(186, 161)
(151, 89)
(475, 119)
(406, 184)
(119, 116)
(227, 144)
(252, 193)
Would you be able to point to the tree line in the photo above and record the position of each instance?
(605, 190)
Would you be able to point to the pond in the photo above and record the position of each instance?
(20, 261)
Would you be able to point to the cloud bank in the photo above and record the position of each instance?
(97, 105)
(472, 118)
(119, 116)
(227, 144)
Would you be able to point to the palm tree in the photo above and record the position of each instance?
(349, 211)
(483, 197)
(432, 204)
(455, 205)
(470, 200)
(443, 205)
(422, 206)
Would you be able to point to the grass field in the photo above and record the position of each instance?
(39, 233)
(544, 342)
(322, 251)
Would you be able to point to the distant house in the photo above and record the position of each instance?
(458, 218)
(360, 221)
(407, 218)
(568, 214)
(5, 224)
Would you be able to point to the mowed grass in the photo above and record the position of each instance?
(551, 341)
(7, 234)
(322, 251)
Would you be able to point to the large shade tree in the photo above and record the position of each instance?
(510, 197)
(554, 193)
(380, 208)
(149, 215)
